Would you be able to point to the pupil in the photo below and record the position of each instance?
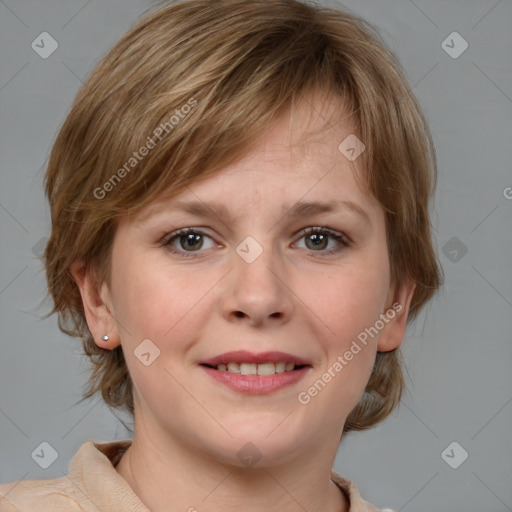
(317, 239)
(191, 240)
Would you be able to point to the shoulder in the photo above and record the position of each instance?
(349, 488)
(56, 495)
(92, 484)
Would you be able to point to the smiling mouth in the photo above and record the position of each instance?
(266, 375)
(260, 369)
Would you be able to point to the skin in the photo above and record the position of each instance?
(293, 298)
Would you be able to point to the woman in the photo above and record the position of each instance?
(240, 236)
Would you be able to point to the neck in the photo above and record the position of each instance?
(166, 473)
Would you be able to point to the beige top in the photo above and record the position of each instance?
(93, 485)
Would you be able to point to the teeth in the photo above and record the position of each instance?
(233, 367)
(280, 367)
(266, 369)
(248, 369)
(256, 369)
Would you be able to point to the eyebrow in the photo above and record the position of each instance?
(299, 209)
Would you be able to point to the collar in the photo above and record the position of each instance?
(92, 471)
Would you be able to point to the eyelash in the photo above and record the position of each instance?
(340, 238)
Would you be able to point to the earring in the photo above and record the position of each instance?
(104, 338)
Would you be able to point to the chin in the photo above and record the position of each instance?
(257, 446)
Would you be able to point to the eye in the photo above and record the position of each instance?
(188, 240)
(317, 240)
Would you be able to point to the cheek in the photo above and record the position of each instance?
(349, 303)
(349, 352)
(347, 300)
(156, 302)
(153, 304)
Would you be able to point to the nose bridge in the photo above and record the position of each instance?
(256, 289)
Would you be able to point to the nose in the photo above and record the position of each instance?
(257, 292)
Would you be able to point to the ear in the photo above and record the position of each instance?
(97, 306)
(397, 312)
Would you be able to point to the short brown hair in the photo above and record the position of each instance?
(238, 64)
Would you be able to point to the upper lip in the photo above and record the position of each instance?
(243, 356)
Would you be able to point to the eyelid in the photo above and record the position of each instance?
(165, 240)
(343, 241)
(328, 230)
(169, 235)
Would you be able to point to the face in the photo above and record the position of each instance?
(267, 272)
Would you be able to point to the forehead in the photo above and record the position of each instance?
(296, 159)
(316, 122)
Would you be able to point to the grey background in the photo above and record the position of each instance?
(458, 353)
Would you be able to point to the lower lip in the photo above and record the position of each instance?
(256, 384)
